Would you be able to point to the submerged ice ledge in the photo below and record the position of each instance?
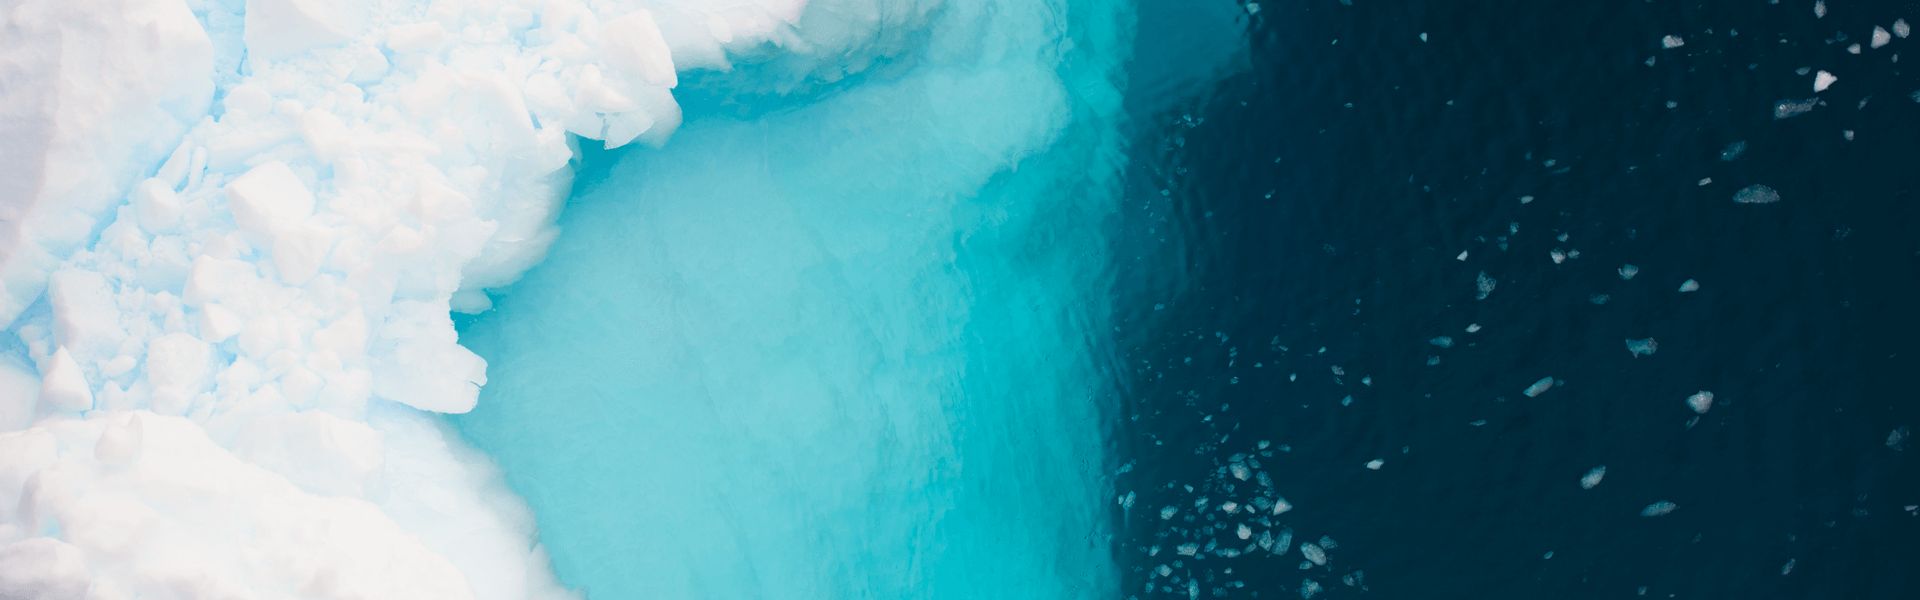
(233, 232)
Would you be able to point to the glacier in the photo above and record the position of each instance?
(234, 233)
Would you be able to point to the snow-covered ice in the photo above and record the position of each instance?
(1824, 80)
(1689, 286)
(1672, 41)
(1700, 402)
(1658, 509)
(1628, 271)
(1539, 387)
(1593, 477)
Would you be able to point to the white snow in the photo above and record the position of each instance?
(1823, 80)
(247, 302)
(1701, 402)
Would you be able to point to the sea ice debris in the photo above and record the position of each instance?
(1823, 80)
(1628, 271)
(1484, 285)
(1701, 401)
(1658, 509)
(1375, 464)
(1442, 341)
(1644, 347)
(1733, 151)
(1672, 41)
(1689, 286)
(1793, 108)
(1540, 387)
(1593, 477)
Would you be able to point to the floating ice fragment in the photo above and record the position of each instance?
(1281, 505)
(1367, 381)
(1599, 298)
(1375, 464)
(1168, 513)
(1819, 9)
(1593, 477)
(1308, 588)
(1689, 286)
(1733, 150)
(1651, 60)
(1478, 423)
(1347, 401)
(1847, 133)
(1898, 439)
(1462, 256)
(1433, 360)
(1803, 70)
(1540, 387)
(1672, 104)
(1881, 37)
(1526, 199)
(1706, 180)
(1628, 271)
(1473, 327)
(1701, 401)
(1423, 34)
(1549, 555)
(1327, 543)
(1314, 554)
(1126, 502)
(1338, 371)
(1240, 471)
(1671, 42)
(1788, 568)
(1187, 549)
(1253, 8)
(1642, 347)
(1485, 285)
(1823, 80)
(1442, 341)
(1244, 531)
(1793, 108)
(1900, 28)
(1658, 509)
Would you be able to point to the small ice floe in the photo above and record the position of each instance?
(1593, 477)
(1819, 9)
(1847, 133)
(1562, 237)
(1367, 381)
(1628, 271)
(1253, 8)
(1188, 549)
(1651, 60)
(1168, 513)
(1706, 180)
(1733, 151)
(1314, 553)
(1442, 341)
(1347, 401)
(1281, 505)
(1337, 370)
(1557, 256)
(1823, 80)
(1803, 70)
(1308, 588)
(1599, 298)
(1433, 360)
(1126, 502)
(1658, 509)
(1788, 568)
(1701, 402)
(1900, 28)
(1478, 422)
(1243, 532)
(1793, 108)
(1462, 256)
(1689, 286)
(1853, 49)
(1240, 471)
(1485, 286)
(1672, 104)
(1526, 199)
(1881, 37)
(1540, 387)
(1473, 327)
(1375, 464)
(1548, 556)
(1644, 347)
(1671, 42)
(1898, 439)
(1756, 194)
(1423, 36)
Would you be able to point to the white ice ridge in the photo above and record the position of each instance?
(231, 233)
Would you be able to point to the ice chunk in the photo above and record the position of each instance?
(1442, 341)
(1327, 543)
(1689, 286)
(416, 37)
(1539, 387)
(1900, 28)
(1823, 80)
(1484, 285)
(1671, 42)
(1793, 108)
(43, 568)
(1628, 271)
(1853, 48)
(1881, 37)
(1644, 347)
(1599, 298)
(1701, 401)
(1898, 439)
(1658, 509)
(1375, 464)
(1168, 513)
(1308, 588)
(1705, 180)
(1819, 9)
(1473, 327)
(1314, 554)
(1462, 256)
(280, 29)
(1526, 199)
(1557, 255)
(1788, 568)
(1593, 477)
(1733, 151)
(64, 387)
(1243, 532)
(268, 199)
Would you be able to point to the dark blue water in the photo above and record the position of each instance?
(1301, 219)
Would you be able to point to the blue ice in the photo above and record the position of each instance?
(846, 348)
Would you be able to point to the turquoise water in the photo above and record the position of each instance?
(851, 348)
